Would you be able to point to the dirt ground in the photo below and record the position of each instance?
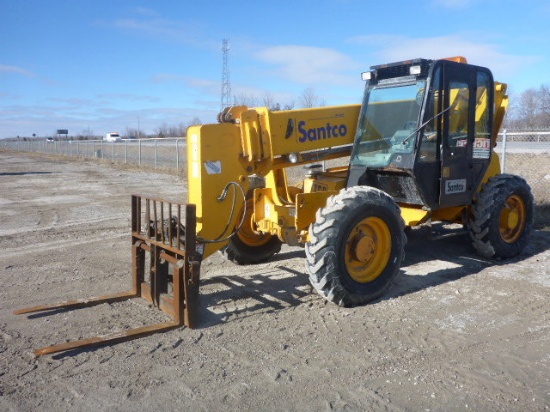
(457, 332)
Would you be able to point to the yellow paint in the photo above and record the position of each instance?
(307, 206)
(214, 160)
(449, 214)
(492, 170)
(414, 216)
(259, 141)
(368, 249)
(513, 218)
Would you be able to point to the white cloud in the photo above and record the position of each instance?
(207, 87)
(128, 97)
(15, 70)
(169, 78)
(25, 120)
(144, 11)
(309, 65)
(453, 4)
(160, 28)
(154, 27)
(195, 85)
(471, 46)
(201, 82)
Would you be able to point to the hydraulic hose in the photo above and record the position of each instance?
(221, 198)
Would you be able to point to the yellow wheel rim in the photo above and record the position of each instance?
(247, 233)
(368, 249)
(512, 219)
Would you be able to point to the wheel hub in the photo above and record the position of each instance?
(368, 249)
(364, 248)
(512, 219)
(247, 233)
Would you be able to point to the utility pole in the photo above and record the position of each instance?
(226, 85)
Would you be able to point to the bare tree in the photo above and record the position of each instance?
(175, 130)
(289, 106)
(244, 99)
(132, 132)
(530, 109)
(178, 130)
(544, 92)
(162, 130)
(309, 99)
(268, 100)
(85, 134)
(270, 103)
(194, 121)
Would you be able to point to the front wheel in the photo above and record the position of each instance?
(248, 246)
(356, 247)
(502, 217)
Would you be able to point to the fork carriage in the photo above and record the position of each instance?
(165, 272)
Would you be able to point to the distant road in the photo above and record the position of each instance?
(525, 147)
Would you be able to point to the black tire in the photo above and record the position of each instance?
(356, 247)
(502, 217)
(247, 246)
(242, 254)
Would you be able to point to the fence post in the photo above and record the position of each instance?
(177, 154)
(504, 139)
(156, 153)
(139, 155)
(126, 152)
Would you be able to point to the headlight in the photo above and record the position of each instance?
(293, 157)
(414, 70)
(366, 76)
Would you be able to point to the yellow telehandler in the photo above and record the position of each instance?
(420, 149)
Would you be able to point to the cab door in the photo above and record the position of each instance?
(458, 92)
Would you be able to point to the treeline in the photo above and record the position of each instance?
(307, 99)
(165, 130)
(162, 131)
(529, 110)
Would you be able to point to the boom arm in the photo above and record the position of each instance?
(256, 142)
(501, 105)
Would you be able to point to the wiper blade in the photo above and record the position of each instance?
(405, 140)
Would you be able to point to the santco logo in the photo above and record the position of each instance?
(455, 186)
(318, 133)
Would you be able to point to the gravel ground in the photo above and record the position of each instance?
(457, 332)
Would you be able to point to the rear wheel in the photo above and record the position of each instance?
(357, 246)
(502, 217)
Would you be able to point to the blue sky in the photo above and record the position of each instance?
(107, 65)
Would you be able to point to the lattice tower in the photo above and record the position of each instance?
(226, 85)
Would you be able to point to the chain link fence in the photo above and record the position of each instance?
(524, 153)
(167, 153)
(527, 154)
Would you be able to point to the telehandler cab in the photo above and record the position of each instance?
(420, 149)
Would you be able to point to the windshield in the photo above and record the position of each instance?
(388, 122)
